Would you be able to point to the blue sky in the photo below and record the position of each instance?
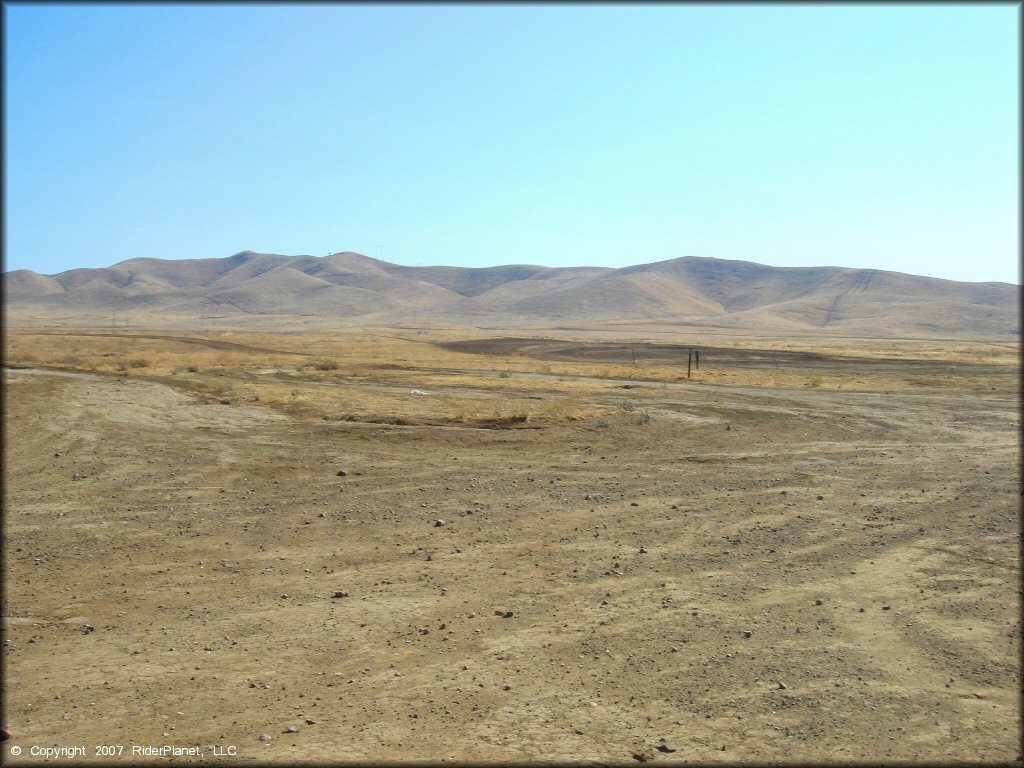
(877, 136)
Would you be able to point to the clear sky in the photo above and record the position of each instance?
(878, 136)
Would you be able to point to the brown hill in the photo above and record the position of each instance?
(252, 288)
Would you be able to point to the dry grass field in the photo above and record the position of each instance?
(415, 544)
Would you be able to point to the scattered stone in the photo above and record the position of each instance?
(821, 498)
(284, 597)
(782, 686)
(264, 737)
(310, 721)
(641, 757)
(291, 729)
(643, 550)
(578, 731)
(340, 593)
(727, 429)
(87, 628)
(860, 610)
(438, 523)
(886, 607)
(424, 631)
(817, 602)
(430, 558)
(747, 633)
(667, 745)
(506, 687)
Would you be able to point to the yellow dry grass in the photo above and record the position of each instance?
(371, 375)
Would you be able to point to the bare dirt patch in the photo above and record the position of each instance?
(760, 573)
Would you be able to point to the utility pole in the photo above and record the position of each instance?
(689, 362)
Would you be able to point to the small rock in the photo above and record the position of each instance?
(641, 757)
(886, 607)
(424, 631)
(747, 633)
(667, 745)
(643, 550)
(821, 498)
(264, 737)
(291, 729)
(506, 687)
(438, 523)
(310, 721)
(342, 473)
(817, 602)
(782, 686)
(340, 593)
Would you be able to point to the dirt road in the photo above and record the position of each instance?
(751, 574)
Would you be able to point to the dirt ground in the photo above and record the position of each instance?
(750, 573)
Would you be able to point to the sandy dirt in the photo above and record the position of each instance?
(752, 574)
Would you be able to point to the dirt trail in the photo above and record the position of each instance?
(756, 575)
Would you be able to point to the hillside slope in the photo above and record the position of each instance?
(695, 291)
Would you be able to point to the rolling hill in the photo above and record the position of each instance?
(253, 289)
